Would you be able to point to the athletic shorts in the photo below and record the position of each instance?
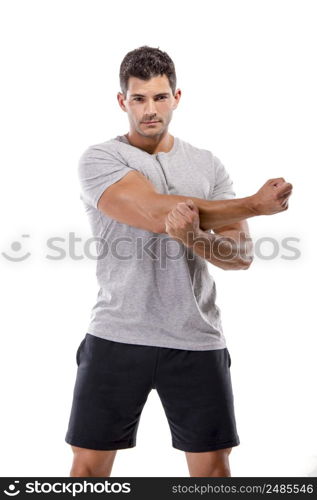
(114, 380)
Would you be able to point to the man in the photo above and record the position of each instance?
(160, 209)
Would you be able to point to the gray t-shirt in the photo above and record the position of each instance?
(153, 289)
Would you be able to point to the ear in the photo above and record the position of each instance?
(177, 97)
(121, 98)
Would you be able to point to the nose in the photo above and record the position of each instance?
(149, 110)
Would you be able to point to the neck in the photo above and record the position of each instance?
(151, 145)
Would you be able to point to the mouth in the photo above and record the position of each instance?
(151, 123)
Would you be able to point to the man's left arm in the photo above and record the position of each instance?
(236, 237)
(228, 247)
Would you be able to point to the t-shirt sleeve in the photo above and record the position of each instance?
(97, 170)
(223, 186)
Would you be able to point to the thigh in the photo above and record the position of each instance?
(112, 385)
(196, 392)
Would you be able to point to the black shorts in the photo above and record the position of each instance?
(114, 380)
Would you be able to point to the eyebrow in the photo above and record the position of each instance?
(156, 95)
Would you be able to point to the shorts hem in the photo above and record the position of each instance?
(92, 445)
(199, 447)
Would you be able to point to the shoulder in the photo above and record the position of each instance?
(200, 153)
(109, 147)
(100, 155)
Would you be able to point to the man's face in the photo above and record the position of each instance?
(147, 101)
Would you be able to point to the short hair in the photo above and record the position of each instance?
(146, 62)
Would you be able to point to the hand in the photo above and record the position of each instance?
(182, 222)
(272, 197)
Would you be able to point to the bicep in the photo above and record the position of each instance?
(129, 201)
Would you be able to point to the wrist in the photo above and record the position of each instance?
(253, 205)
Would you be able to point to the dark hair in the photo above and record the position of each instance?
(146, 62)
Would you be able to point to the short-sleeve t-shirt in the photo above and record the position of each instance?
(153, 290)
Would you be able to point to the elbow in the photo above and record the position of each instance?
(237, 264)
(240, 262)
(246, 263)
(247, 257)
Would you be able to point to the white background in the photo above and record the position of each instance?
(247, 71)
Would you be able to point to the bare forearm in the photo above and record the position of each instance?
(134, 201)
(234, 250)
(231, 247)
(212, 214)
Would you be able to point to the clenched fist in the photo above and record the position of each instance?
(272, 197)
(182, 222)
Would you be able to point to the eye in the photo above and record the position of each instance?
(137, 98)
(162, 97)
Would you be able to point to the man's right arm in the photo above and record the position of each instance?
(133, 200)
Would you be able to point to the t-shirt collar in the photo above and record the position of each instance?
(123, 138)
